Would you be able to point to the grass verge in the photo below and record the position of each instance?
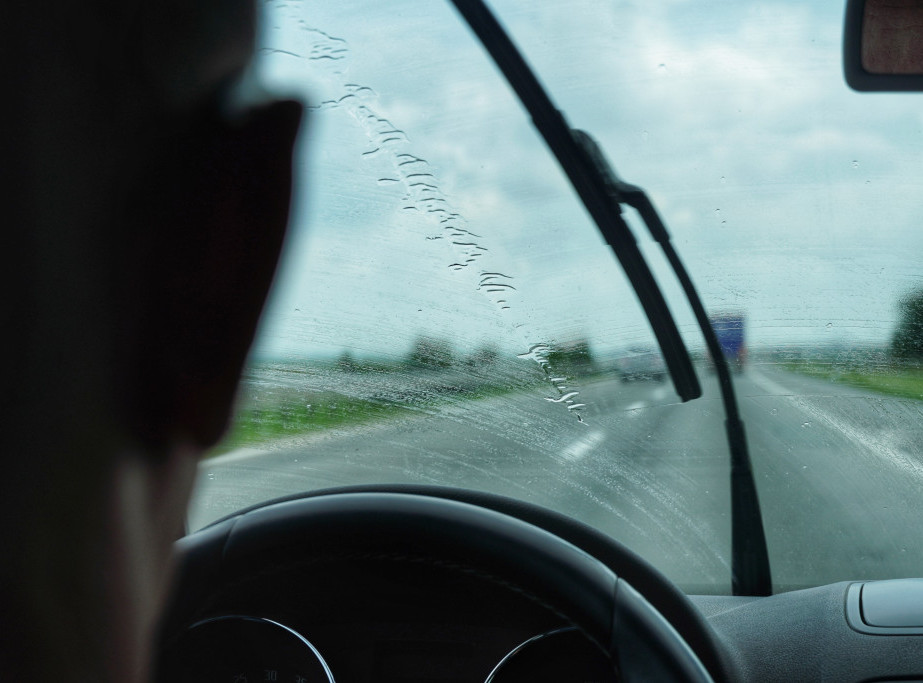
(260, 423)
(290, 414)
(890, 380)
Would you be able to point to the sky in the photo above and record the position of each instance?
(427, 205)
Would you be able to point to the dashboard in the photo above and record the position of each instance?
(396, 588)
(380, 619)
(428, 584)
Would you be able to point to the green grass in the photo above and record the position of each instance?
(289, 413)
(890, 380)
(259, 423)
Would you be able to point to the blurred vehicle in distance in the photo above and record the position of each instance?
(729, 326)
(641, 363)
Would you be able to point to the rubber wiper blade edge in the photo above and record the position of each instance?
(590, 187)
(602, 194)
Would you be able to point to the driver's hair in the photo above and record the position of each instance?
(139, 236)
(94, 94)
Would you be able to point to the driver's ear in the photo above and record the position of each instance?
(208, 271)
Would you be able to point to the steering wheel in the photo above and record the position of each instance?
(548, 558)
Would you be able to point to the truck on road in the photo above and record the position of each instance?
(729, 328)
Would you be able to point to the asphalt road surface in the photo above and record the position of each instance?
(839, 471)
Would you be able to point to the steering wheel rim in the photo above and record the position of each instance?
(469, 537)
(665, 597)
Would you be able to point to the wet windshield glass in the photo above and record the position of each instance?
(448, 314)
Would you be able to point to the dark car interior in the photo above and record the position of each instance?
(410, 583)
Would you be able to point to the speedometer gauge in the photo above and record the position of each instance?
(240, 649)
(563, 656)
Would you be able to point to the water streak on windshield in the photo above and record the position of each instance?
(446, 307)
(420, 190)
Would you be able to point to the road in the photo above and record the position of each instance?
(838, 470)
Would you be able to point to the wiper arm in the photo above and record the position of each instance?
(603, 193)
(591, 188)
(750, 573)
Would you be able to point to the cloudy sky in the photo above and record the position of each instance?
(426, 204)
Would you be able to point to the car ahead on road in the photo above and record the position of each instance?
(427, 480)
(640, 363)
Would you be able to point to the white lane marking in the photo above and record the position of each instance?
(772, 388)
(634, 409)
(233, 456)
(579, 448)
(660, 393)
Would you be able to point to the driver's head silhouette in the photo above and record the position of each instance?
(143, 207)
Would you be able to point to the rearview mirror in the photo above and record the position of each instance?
(883, 45)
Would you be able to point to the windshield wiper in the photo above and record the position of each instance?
(592, 190)
(750, 573)
(603, 194)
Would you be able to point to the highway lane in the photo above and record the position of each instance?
(837, 470)
(840, 474)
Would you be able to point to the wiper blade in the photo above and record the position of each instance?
(603, 193)
(750, 574)
(590, 186)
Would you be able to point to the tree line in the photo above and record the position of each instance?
(437, 353)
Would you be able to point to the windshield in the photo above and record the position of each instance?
(447, 313)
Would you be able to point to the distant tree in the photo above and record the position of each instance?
(907, 343)
(347, 362)
(573, 357)
(484, 357)
(431, 353)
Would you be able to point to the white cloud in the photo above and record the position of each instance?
(775, 179)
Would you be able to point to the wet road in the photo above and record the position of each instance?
(837, 470)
